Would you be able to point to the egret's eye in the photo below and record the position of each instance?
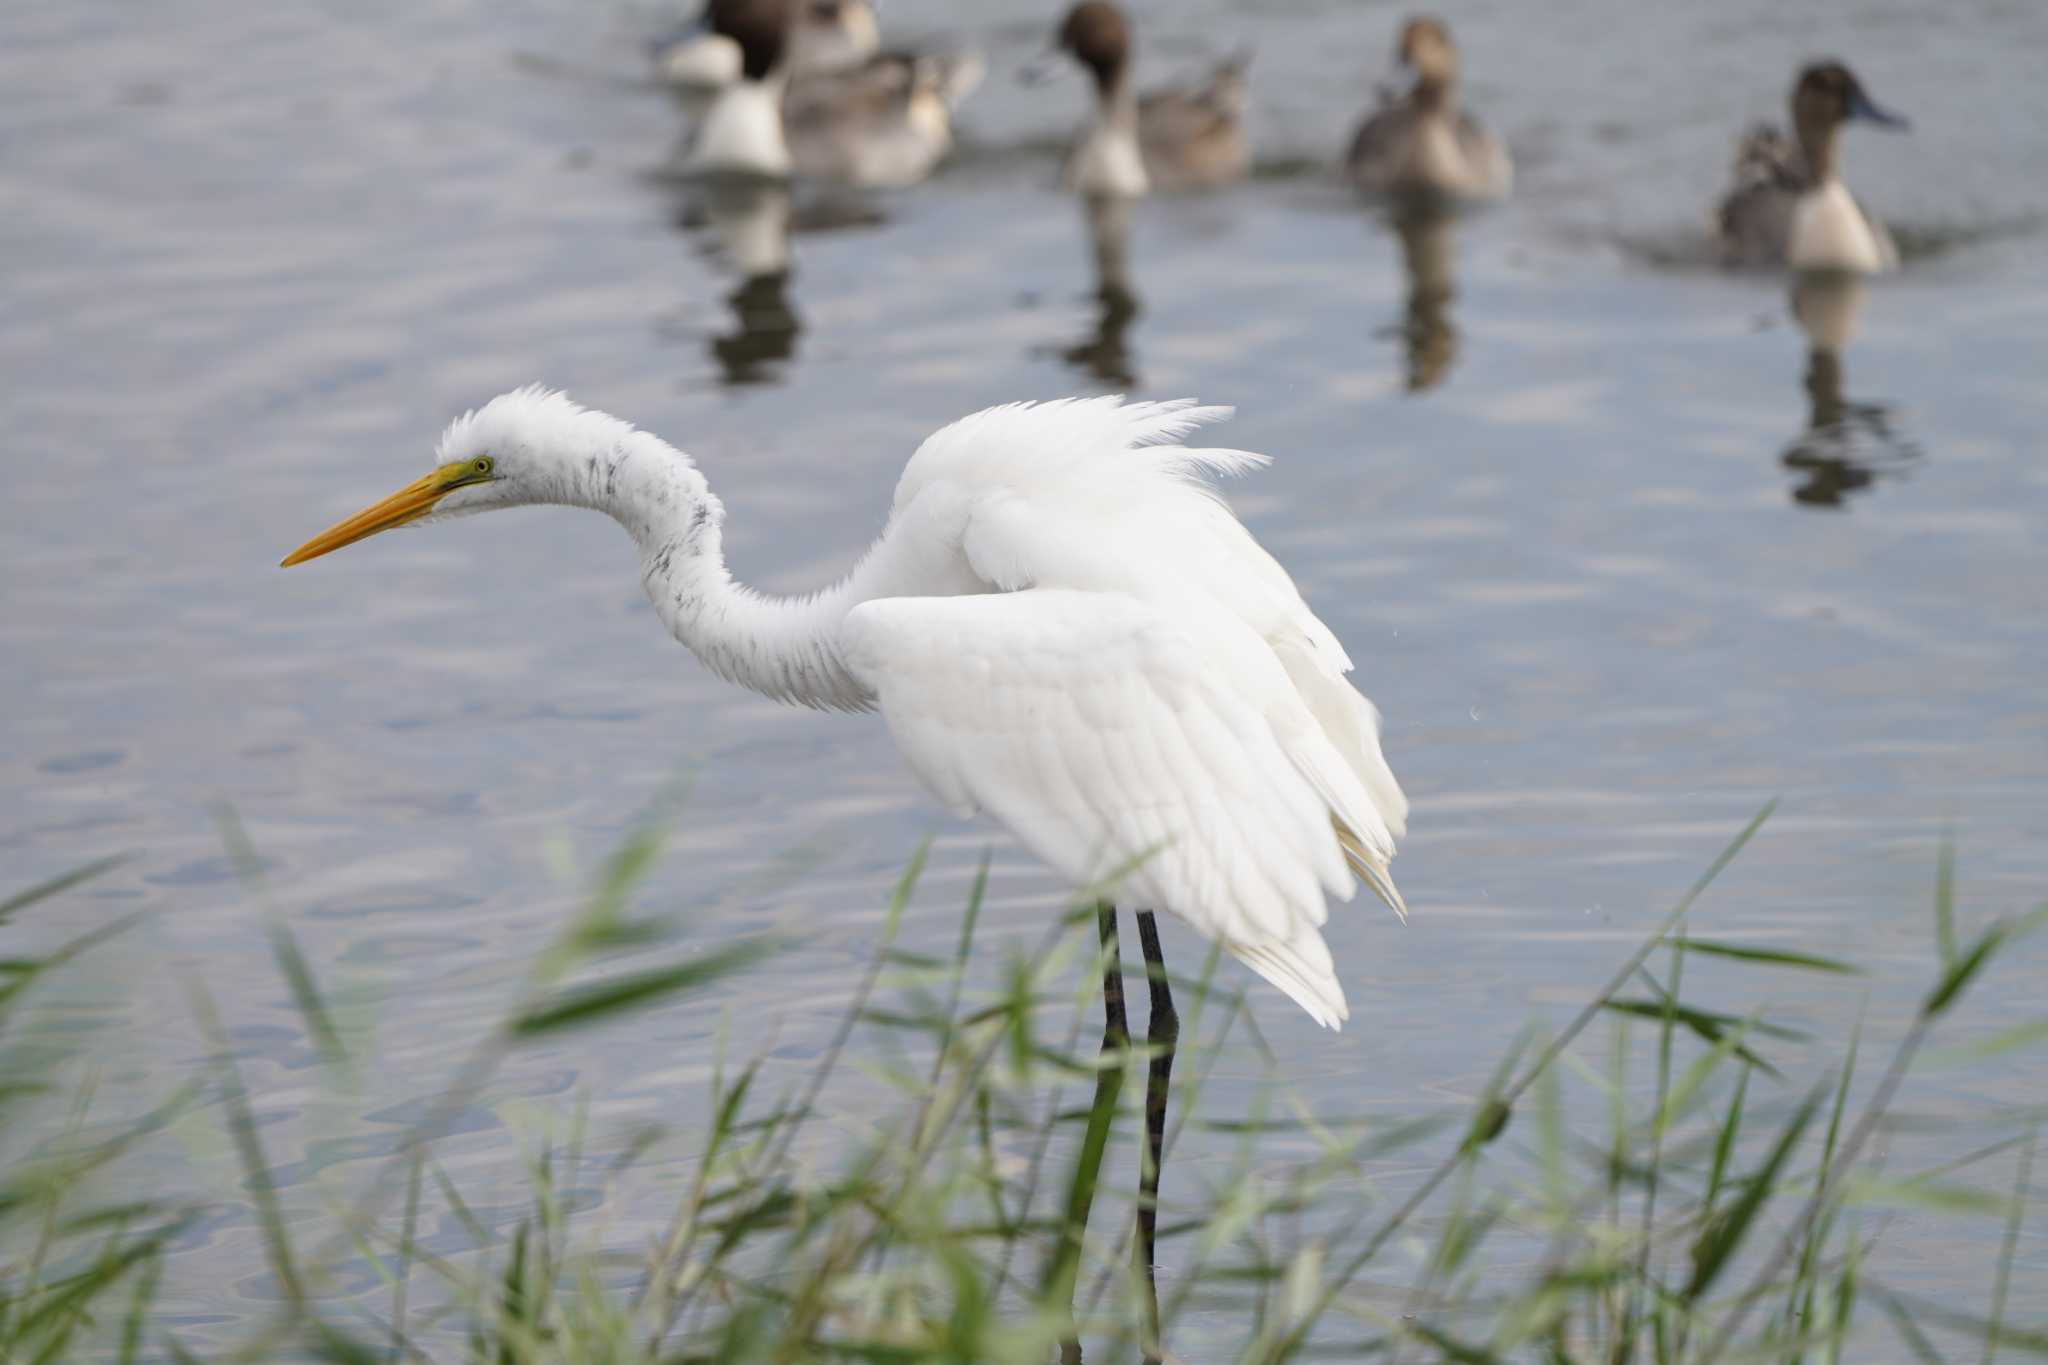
(482, 465)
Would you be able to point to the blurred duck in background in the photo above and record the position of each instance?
(1419, 143)
(824, 35)
(1789, 205)
(1178, 138)
(885, 122)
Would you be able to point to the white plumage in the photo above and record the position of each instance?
(1062, 625)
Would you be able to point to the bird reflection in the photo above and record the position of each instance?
(1847, 446)
(1105, 352)
(1430, 339)
(746, 226)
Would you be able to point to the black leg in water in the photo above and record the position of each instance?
(1162, 1038)
(1064, 1269)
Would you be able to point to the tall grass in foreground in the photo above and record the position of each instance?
(1726, 1211)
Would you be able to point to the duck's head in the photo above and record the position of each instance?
(1426, 53)
(830, 34)
(1097, 35)
(759, 27)
(1828, 95)
(852, 16)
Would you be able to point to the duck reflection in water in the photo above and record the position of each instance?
(1427, 256)
(1847, 446)
(1104, 354)
(746, 231)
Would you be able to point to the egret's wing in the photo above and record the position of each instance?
(1101, 496)
(1107, 735)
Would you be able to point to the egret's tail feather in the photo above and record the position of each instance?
(1383, 886)
(1370, 870)
(1303, 968)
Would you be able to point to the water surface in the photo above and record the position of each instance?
(1617, 563)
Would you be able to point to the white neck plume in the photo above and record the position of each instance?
(781, 647)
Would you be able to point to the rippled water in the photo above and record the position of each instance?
(1619, 559)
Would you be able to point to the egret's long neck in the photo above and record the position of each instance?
(781, 647)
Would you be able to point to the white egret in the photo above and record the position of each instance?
(1061, 624)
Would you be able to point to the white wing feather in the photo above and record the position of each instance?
(1098, 731)
(1137, 679)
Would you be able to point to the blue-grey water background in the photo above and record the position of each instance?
(253, 257)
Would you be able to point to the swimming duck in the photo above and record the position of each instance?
(883, 123)
(1420, 142)
(1789, 205)
(1178, 138)
(824, 35)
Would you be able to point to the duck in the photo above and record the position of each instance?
(824, 35)
(1789, 205)
(1173, 139)
(1419, 142)
(884, 123)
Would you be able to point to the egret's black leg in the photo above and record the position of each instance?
(1162, 1037)
(1116, 1042)
(1116, 1029)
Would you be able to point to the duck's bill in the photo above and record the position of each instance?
(408, 504)
(1861, 106)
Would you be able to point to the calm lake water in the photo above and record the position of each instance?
(1610, 587)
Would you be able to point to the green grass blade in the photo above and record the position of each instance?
(594, 1003)
(1945, 902)
(1774, 957)
(1710, 1027)
(305, 989)
(241, 1121)
(58, 884)
(2001, 1286)
(1056, 1284)
(1961, 970)
(1464, 1353)
(140, 1304)
(2005, 1040)
(1694, 1077)
(1719, 1239)
(1909, 1331)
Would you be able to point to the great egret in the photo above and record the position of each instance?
(1063, 625)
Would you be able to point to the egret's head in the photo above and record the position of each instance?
(522, 447)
